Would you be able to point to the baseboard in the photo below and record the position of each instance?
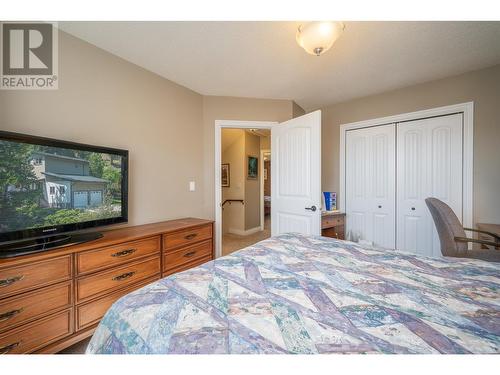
(247, 232)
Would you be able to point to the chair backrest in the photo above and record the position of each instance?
(448, 227)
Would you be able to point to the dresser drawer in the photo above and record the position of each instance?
(94, 260)
(120, 277)
(187, 254)
(335, 232)
(90, 313)
(35, 275)
(332, 221)
(186, 237)
(31, 337)
(187, 266)
(28, 306)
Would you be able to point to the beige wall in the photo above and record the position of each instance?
(229, 108)
(482, 87)
(252, 187)
(297, 110)
(104, 100)
(233, 152)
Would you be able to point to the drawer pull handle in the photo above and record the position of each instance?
(10, 280)
(190, 254)
(9, 314)
(8, 348)
(190, 236)
(124, 276)
(123, 253)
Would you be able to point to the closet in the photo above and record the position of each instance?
(389, 171)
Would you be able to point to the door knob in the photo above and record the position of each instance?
(379, 206)
(413, 208)
(312, 208)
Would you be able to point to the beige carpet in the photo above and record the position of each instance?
(233, 242)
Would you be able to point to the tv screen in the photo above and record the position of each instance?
(49, 186)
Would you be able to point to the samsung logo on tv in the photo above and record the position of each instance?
(49, 230)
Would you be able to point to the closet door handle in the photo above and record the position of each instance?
(312, 208)
(413, 208)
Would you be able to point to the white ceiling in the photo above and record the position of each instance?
(262, 59)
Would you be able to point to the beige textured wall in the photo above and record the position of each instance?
(482, 87)
(229, 108)
(233, 152)
(104, 100)
(252, 187)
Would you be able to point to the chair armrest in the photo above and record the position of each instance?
(495, 236)
(489, 243)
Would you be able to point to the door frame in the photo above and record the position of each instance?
(261, 166)
(219, 125)
(468, 147)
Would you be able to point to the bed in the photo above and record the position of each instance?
(305, 294)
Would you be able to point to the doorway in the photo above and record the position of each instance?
(296, 176)
(233, 179)
(245, 184)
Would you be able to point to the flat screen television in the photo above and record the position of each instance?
(51, 190)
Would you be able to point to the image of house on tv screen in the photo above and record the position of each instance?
(44, 186)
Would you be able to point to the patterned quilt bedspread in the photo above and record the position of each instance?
(306, 294)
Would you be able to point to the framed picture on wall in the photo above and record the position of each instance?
(252, 167)
(225, 176)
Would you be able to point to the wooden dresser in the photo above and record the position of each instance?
(333, 224)
(53, 299)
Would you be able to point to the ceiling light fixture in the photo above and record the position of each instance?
(317, 37)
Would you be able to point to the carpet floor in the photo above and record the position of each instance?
(232, 242)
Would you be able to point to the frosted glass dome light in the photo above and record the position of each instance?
(317, 37)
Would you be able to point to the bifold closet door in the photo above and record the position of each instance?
(370, 185)
(429, 164)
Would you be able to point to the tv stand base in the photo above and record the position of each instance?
(36, 245)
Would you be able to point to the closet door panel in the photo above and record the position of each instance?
(413, 226)
(356, 180)
(370, 173)
(383, 186)
(429, 164)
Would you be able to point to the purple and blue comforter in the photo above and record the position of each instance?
(303, 294)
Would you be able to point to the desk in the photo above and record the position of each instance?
(332, 224)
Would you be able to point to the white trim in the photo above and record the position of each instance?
(247, 232)
(235, 124)
(468, 148)
(262, 182)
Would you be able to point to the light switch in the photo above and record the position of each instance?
(192, 186)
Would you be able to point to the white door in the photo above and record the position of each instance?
(429, 164)
(370, 185)
(80, 199)
(296, 175)
(95, 198)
